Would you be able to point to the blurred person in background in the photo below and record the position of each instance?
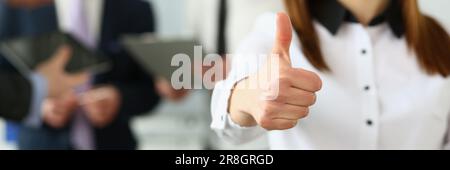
(383, 64)
(238, 16)
(221, 25)
(21, 95)
(97, 115)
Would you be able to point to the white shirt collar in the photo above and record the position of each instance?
(94, 12)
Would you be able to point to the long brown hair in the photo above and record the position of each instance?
(424, 36)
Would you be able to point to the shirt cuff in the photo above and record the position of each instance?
(222, 123)
(39, 93)
(219, 104)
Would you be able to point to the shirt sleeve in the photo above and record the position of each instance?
(39, 92)
(254, 49)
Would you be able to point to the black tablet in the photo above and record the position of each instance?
(26, 53)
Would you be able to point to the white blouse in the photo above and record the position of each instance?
(376, 96)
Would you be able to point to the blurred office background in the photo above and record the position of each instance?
(185, 124)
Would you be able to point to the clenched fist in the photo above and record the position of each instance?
(285, 98)
(57, 112)
(101, 105)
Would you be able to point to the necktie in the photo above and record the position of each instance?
(79, 27)
(221, 37)
(82, 135)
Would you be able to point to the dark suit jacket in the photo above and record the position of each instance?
(135, 85)
(15, 90)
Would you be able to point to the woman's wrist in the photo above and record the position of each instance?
(239, 106)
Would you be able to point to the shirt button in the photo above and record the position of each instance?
(367, 88)
(369, 122)
(364, 51)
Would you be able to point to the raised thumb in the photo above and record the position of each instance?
(283, 36)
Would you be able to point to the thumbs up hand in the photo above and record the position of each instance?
(289, 101)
